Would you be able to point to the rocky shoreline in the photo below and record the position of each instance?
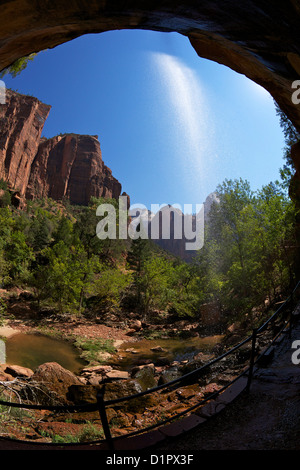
(51, 384)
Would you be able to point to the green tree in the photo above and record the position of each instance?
(63, 275)
(85, 229)
(291, 137)
(245, 252)
(110, 286)
(18, 66)
(137, 257)
(154, 284)
(19, 255)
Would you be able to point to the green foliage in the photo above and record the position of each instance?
(290, 133)
(247, 252)
(93, 349)
(3, 308)
(63, 274)
(18, 255)
(89, 432)
(18, 66)
(110, 287)
(291, 137)
(161, 283)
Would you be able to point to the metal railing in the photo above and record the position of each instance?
(101, 404)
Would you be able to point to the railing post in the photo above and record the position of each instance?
(103, 416)
(252, 357)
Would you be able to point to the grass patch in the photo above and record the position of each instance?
(88, 433)
(94, 350)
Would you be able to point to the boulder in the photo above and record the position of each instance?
(117, 374)
(135, 325)
(53, 383)
(4, 376)
(145, 376)
(169, 375)
(80, 394)
(126, 388)
(101, 369)
(18, 371)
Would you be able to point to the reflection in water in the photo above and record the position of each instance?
(176, 349)
(29, 350)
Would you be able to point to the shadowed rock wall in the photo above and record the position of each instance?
(259, 38)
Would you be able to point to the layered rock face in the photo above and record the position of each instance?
(22, 120)
(68, 166)
(71, 167)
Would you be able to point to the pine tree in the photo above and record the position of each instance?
(137, 256)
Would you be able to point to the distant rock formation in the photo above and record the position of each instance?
(170, 240)
(67, 166)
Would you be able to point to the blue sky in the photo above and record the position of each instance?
(171, 125)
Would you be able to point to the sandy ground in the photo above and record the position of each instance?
(7, 331)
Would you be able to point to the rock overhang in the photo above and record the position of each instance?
(257, 38)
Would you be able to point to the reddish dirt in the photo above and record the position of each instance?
(83, 329)
(268, 418)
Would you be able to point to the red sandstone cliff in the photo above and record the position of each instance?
(68, 166)
(71, 166)
(22, 120)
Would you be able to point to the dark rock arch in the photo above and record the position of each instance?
(258, 38)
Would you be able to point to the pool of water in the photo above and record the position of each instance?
(173, 349)
(30, 350)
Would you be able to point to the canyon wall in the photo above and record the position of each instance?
(66, 166)
(22, 120)
(71, 167)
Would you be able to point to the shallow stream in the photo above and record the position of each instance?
(31, 350)
(171, 349)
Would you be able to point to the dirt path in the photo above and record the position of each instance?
(266, 419)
